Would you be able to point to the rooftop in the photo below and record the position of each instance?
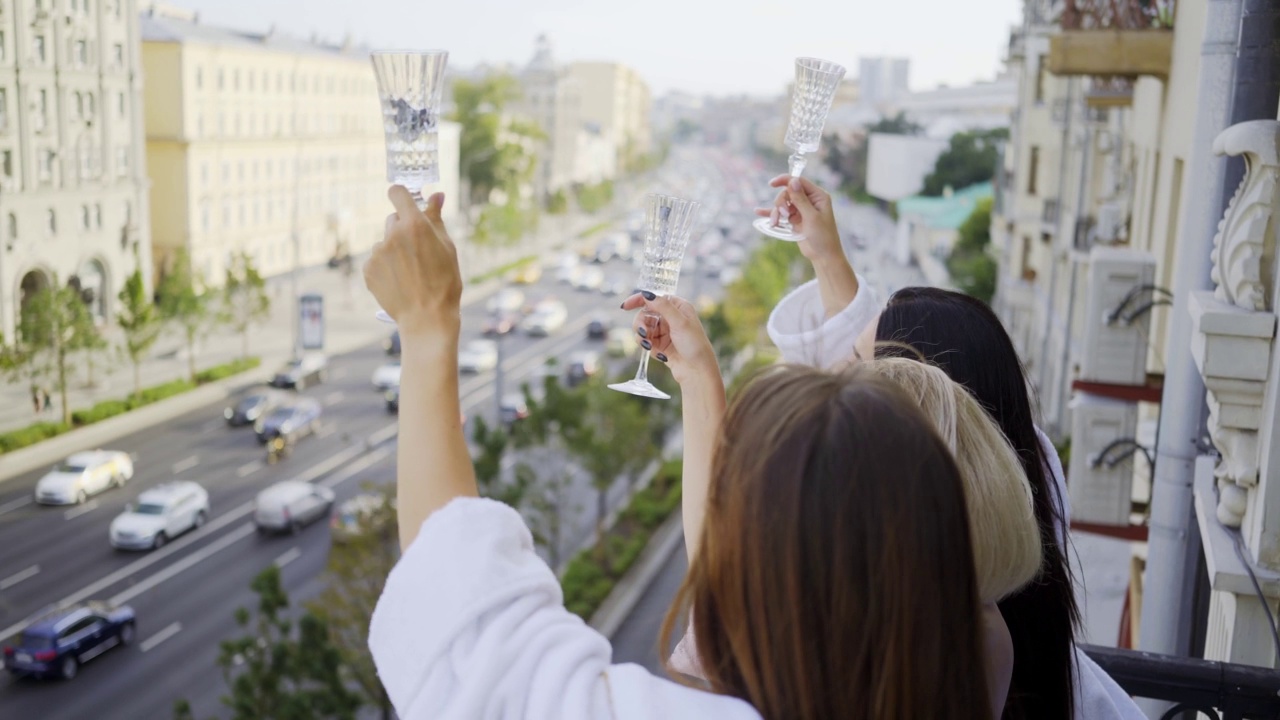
(947, 212)
(163, 23)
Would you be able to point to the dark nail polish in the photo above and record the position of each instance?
(623, 306)
(640, 331)
(648, 295)
(646, 344)
(661, 357)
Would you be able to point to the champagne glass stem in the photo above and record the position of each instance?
(416, 194)
(796, 162)
(642, 373)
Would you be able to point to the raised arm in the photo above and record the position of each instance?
(679, 340)
(811, 212)
(414, 275)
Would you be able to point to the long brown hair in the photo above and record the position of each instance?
(834, 576)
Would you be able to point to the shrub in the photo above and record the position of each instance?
(226, 370)
(30, 435)
(99, 412)
(160, 392)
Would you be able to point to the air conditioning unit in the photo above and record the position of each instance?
(1110, 223)
(1101, 490)
(1116, 326)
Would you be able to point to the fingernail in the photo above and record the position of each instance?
(439, 200)
(795, 183)
(648, 295)
(640, 331)
(623, 306)
(661, 357)
(646, 344)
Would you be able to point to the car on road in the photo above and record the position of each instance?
(160, 514)
(546, 318)
(506, 300)
(301, 373)
(82, 475)
(386, 376)
(392, 343)
(567, 267)
(621, 342)
(289, 506)
(361, 514)
(392, 397)
(613, 285)
(58, 642)
(253, 405)
(597, 329)
(512, 409)
(581, 367)
(527, 274)
(292, 421)
(613, 245)
(591, 278)
(500, 324)
(478, 356)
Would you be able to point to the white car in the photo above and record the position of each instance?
(82, 475)
(507, 300)
(387, 376)
(289, 505)
(160, 514)
(590, 278)
(546, 318)
(478, 356)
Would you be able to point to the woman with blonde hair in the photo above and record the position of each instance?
(834, 580)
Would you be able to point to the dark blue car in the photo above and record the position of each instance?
(57, 643)
(290, 422)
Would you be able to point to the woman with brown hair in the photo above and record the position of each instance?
(835, 576)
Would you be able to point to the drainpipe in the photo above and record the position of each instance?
(1063, 389)
(1043, 358)
(1167, 620)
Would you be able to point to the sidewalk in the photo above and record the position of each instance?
(349, 321)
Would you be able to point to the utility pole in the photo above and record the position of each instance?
(498, 375)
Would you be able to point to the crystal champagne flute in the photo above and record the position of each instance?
(668, 224)
(815, 88)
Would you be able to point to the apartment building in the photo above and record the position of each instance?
(552, 99)
(616, 100)
(264, 143)
(73, 188)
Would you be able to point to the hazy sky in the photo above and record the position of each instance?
(715, 46)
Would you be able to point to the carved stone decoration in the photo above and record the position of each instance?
(1244, 247)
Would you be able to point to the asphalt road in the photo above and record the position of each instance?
(185, 593)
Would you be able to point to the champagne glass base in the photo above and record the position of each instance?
(382, 316)
(640, 388)
(765, 226)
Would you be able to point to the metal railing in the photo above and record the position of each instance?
(1222, 691)
(1117, 15)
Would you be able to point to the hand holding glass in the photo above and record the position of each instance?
(668, 224)
(410, 86)
(815, 88)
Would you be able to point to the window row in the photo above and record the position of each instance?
(90, 217)
(79, 52)
(265, 81)
(241, 124)
(82, 108)
(86, 163)
(272, 211)
(269, 170)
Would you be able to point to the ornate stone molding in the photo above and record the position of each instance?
(1244, 248)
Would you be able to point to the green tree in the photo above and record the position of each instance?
(970, 264)
(356, 573)
(184, 303)
(543, 466)
(495, 151)
(766, 276)
(245, 302)
(54, 324)
(970, 158)
(275, 673)
(140, 321)
(493, 443)
(547, 504)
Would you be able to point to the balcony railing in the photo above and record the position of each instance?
(1222, 691)
(1113, 38)
(1109, 92)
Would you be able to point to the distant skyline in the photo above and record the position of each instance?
(721, 47)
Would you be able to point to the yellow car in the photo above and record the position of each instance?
(527, 274)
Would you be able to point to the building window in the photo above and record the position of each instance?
(226, 172)
(42, 110)
(221, 79)
(1042, 70)
(240, 171)
(46, 165)
(122, 161)
(38, 43)
(235, 80)
(4, 109)
(88, 106)
(51, 221)
(6, 158)
(3, 47)
(204, 173)
(1033, 171)
(120, 104)
(226, 214)
(79, 104)
(97, 215)
(199, 78)
(13, 226)
(128, 213)
(82, 52)
(204, 217)
(117, 54)
(85, 217)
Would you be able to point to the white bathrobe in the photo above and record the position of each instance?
(472, 626)
(798, 328)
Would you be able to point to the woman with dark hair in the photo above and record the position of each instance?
(826, 320)
(803, 609)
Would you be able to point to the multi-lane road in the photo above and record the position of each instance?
(186, 592)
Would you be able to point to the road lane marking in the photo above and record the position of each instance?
(212, 425)
(185, 563)
(333, 398)
(160, 637)
(15, 505)
(79, 510)
(326, 431)
(187, 464)
(18, 577)
(288, 557)
(368, 461)
(249, 468)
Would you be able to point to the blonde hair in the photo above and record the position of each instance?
(1002, 521)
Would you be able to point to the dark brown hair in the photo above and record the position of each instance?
(834, 576)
